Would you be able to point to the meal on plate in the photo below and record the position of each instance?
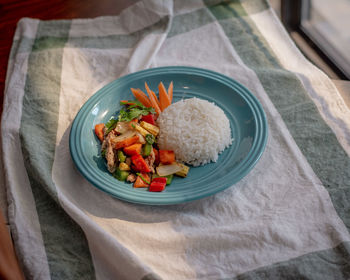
(151, 139)
(195, 129)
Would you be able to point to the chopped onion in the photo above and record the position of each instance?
(168, 169)
(127, 134)
(122, 127)
(141, 138)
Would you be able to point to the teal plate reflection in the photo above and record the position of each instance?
(246, 116)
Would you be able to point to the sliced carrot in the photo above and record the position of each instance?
(127, 142)
(133, 149)
(99, 131)
(140, 96)
(163, 97)
(166, 157)
(170, 92)
(153, 99)
(149, 91)
(139, 183)
(155, 105)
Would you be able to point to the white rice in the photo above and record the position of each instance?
(195, 129)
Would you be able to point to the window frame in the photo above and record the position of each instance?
(292, 14)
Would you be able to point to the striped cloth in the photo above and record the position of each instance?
(289, 218)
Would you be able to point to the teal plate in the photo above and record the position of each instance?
(246, 116)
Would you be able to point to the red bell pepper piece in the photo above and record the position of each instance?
(160, 180)
(157, 186)
(99, 131)
(149, 119)
(166, 157)
(140, 164)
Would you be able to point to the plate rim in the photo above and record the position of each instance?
(255, 153)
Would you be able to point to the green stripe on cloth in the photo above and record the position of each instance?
(312, 135)
(53, 28)
(186, 22)
(119, 41)
(22, 45)
(180, 24)
(65, 244)
(331, 264)
(250, 7)
(48, 42)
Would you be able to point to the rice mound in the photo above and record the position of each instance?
(195, 129)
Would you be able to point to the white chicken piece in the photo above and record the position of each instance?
(110, 155)
(150, 161)
(131, 178)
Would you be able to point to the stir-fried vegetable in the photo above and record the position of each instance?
(129, 142)
(159, 105)
(134, 112)
(123, 166)
(99, 131)
(121, 175)
(168, 169)
(110, 125)
(126, 142)
(121, 156)
(170, 92)
(133, 149)
(157, 184)
(142, 180)
(149, 119)
(124, 136)
(164, 100)
(151, 128)
(140, 96)
(147, 149)
(169, 178)
(140, 129)
(184, 170)
(140, 164)
(153, 99)
(150, 139)
(166, 157)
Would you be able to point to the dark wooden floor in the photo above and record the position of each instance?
(13, 10)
